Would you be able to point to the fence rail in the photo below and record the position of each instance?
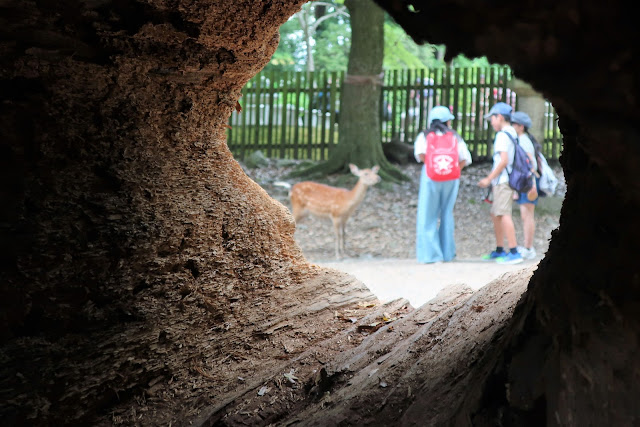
(295, 114)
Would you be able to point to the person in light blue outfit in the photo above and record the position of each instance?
(436, 199)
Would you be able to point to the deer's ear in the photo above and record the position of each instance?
(354, 169)
(376, 168)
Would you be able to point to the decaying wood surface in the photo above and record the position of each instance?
(146, 280)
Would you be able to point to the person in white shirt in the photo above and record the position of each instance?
(521, 122)
(498, 178)
(435, 227)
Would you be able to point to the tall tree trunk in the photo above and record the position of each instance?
(319, 11)
(304, 18)
(360, 139)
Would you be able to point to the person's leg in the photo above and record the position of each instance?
(512, 256)
(503, 224)
(447, 225)
(497, 229)
(528, 223)
(505, 194)
(427, 240)
(502, 199)
(509, 231)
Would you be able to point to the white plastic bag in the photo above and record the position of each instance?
(548, 181)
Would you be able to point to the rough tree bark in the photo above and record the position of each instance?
(360, 139)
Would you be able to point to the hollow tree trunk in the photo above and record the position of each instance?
(129, 226)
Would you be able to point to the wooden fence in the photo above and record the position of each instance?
(295, 114)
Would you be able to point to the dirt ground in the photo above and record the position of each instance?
(392, 278)
(380, 240)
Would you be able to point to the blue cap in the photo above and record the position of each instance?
(440, 113)
(499, 108)
(521, 118)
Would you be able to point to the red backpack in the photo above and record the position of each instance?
(441, 158)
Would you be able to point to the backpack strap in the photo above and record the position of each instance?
(537, 152)
(515, 142)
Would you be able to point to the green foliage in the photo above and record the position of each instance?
(331, 50)
(289, 54)
(463, 61)
(331, 43)
(282, 60)
(400, 51)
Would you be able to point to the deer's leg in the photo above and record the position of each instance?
(343, 237)
(337, 226)
(298, 212)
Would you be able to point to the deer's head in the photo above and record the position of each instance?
(368, 177)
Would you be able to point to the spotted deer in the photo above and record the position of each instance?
(336, 203)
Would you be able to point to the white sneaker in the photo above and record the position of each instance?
(528, 253)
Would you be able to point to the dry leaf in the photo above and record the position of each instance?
(370, 328)
(292, 378)
(366, 304)
(204, 373)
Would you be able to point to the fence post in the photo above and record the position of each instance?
(333, 94)
(272, 94)
(284, 114)
(296, 132)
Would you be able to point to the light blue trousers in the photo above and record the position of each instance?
(434, 224)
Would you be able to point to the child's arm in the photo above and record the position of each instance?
(504, 161)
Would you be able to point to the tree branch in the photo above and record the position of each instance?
(324, 3)
(338, 11)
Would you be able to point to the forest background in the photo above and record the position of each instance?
(319, 37)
